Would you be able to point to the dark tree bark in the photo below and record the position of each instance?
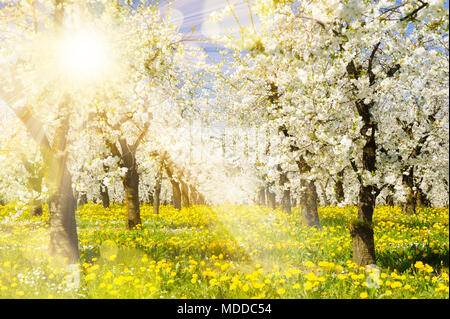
(339, 187)
(130, 183)
(422, 198)
(390, 196)
(104, 194)
(409, 207)
(150, 198)
(127, 156)
(362, 229)
(362, 232)
(82, 199)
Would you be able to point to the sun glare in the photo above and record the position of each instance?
(83, 55)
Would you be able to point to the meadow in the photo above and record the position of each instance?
(226, 252)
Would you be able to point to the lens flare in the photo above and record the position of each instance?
(83, 55)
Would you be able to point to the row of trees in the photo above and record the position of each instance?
(318, 103)
(348, 85)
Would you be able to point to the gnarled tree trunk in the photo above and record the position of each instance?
(63, 229)
(362, 230)
(131, 187)
(422, 198)
(308, 196)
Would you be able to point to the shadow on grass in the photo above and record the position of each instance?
(404, 259)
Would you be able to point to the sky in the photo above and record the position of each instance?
(194, 15)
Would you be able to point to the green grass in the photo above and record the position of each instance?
(226, 252)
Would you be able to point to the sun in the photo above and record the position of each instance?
(83, 55)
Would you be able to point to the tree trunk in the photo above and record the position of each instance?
(409, 206)
(271, 200)
(82, 199)
(362, 230)
(308, 196)
(308, 203)
(261, 196)
(63, 229)
(185, 194)
(422, 198)
(176, 194)
(104, 194)
(35, 184)
(150, 198)
(286, 198)
(294, 201)
(157, 192)
(286, 201)
(339, 187)
(390, 200)
(131, 186)
(201, 199)
(176, 189)
(390, 196)
(36, 207)
(324, 194)
(193, 195)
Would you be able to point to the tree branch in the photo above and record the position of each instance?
(370, 66)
